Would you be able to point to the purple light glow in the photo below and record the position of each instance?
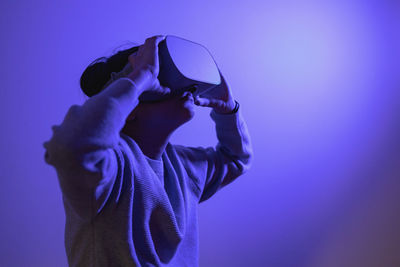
(319, 87)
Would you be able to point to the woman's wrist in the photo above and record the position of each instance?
(230, 107)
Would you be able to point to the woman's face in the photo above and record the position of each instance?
(171, 112)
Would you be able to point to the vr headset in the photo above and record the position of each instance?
(184, 66)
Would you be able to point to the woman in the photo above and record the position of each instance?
(130, 196)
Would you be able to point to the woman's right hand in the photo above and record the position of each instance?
(146, 67)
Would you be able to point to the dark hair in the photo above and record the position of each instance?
(97, 74)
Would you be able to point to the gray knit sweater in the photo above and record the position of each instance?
(123, 208)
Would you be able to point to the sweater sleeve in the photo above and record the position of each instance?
(84, 147)
(212, 168)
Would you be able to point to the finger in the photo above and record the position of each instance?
(132, 59)
(156, 41)
(159, 93)
(205, 102)
(200, 101)
(155, 37)
(153, 41)
(151, 46)
(140, 50)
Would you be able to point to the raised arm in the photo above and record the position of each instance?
(212, 168)
(84, 147)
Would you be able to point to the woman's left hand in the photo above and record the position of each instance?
(219, 98)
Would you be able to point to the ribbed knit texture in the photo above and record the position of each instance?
(123, 208)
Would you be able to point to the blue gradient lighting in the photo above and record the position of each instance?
(318, 83)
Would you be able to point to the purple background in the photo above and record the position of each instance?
(319, 86)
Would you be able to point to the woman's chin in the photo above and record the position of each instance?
(187, 111)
